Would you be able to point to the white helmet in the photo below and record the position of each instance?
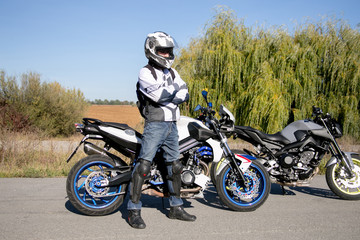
(160, 41)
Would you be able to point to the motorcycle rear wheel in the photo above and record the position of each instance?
(340, 184)
(232, 193)
(82, 190)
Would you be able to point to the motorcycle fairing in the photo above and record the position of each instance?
(185, 138)
(187, 144)
(321, 133)
(200, 133)
(182, 125)
(245, 162)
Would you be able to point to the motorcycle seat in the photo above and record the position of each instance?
(276, 137)
(121, 126)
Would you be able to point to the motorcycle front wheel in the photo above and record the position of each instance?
(82, 186)
(339, 182)
(235, 196)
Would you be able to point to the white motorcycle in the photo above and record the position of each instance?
(97, 184)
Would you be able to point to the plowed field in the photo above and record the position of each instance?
(116, 113)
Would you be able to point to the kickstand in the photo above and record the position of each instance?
(163, 203)
(283, 190)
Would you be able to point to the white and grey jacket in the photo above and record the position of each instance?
(163, 90)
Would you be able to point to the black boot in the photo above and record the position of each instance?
(179, 213)
(135, 219)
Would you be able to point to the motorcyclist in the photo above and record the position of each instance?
(160, 90)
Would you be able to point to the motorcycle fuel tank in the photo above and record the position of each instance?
(304, 125)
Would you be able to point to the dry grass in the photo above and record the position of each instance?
(30, 155)
(116, 113)
(27, 155)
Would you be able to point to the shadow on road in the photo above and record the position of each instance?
(71, 208)
(318, 192)
(156, 203)
(212, 200)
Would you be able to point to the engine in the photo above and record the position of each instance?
(295, 166)
(194, 176)
(288, 160)
(195, 173)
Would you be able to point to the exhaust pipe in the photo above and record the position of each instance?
(91, 149)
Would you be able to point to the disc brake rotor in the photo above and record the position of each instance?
(93, 183)
(251, 191)
(350, 183)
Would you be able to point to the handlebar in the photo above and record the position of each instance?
(316, 111)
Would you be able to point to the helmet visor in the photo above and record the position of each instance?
(167, 53)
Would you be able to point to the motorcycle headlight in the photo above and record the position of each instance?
(336, 129)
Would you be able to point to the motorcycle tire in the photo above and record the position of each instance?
(345, 188)
(82, 190)
(234, 196)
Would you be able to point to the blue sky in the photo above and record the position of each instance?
(97, 46)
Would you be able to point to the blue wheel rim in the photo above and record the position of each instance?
(82, 194)
(260, 179)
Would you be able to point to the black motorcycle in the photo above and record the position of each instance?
(293, 155)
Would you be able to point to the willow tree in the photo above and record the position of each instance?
(268, 77)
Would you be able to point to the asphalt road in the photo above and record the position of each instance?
(39, 209)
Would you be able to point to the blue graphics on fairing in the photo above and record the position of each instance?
(87, 182)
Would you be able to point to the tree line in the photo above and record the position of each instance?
(269, 77)
(110, 102)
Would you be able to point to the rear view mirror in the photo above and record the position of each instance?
(204, 93)
(197, 108)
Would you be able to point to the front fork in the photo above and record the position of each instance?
(340, 155)
(344, 157)
(230, 155)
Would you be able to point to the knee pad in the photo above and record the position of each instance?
(143, 168)
(141, 171)
(174, 177)
(177, 167)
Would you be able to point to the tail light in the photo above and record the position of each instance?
(79, 127)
